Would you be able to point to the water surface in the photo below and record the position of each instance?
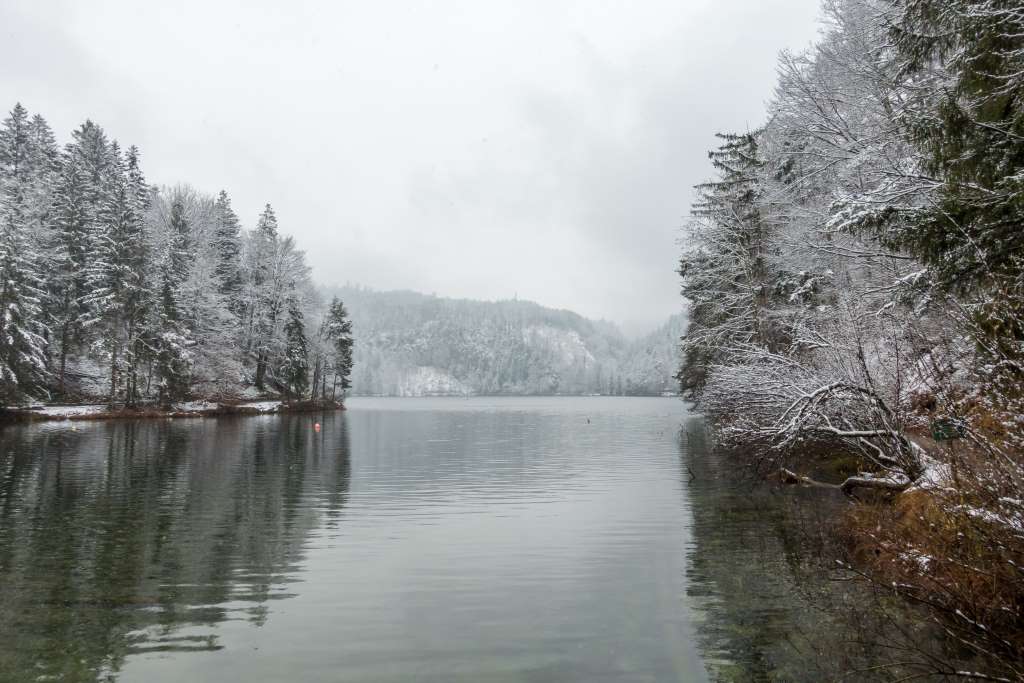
(409, 539)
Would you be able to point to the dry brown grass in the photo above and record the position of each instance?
(944, 551)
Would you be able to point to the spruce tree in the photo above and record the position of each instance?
(966, 59)
(173, 338)
(88, 266)
(121, 284)
(339, 332)
(23, 346)
(76, 295)
(228, 246)
(963, 65)
(67, 284)
(139, 292)
(173, 360)
(15, 136)
(725, 272)
(295, 367)
(43, 149)
(179, 246)
(266, 301)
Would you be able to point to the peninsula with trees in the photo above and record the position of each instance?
(120, 297)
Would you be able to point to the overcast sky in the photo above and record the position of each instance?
(540, 149)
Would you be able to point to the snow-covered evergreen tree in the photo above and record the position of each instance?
(227, 243)
(294, 372)
(889, 187)
(114, 289)
(138, 295)
(122, 295)
(71, 245)
(23, 359)
(180, 252)
(339, 332)
(15, 136)
(968, 121)
(725, 272)
(264, 296)
(172, 344)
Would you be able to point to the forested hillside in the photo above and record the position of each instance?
(652, 361)
(856, 272)
(117, 290)
(412, 344)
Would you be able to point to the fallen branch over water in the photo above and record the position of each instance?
(862, 480)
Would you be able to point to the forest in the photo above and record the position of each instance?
(412, 344)
(855, 275)
(118, 291)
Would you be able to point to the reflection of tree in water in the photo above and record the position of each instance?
(133, 536)
(765, 611)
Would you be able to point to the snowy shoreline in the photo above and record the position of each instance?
(187, 409)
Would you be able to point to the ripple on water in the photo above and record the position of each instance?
(441, 540)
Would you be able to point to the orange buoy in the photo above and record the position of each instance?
(316, 426)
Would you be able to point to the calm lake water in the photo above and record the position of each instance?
(552, 539)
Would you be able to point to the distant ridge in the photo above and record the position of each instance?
(413, 344)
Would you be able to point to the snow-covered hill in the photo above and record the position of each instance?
(410, 344)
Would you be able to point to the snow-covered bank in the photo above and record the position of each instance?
(188, 409)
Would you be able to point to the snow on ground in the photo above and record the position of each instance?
(71, 411)
(936, 476)
(251, 392)
(263, 406)
(195, 406)
(1013, 519)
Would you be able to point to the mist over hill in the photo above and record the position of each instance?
(412, 344)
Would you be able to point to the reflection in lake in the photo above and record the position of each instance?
(767, 608)
(120, 538)
(558, 539)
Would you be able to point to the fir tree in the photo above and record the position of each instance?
(23, 371)
(295, 368)
(43, 150)
(228, 245)
(968, 121)
(76, 293)
(265, 301)
(173, 360)
(123, 263)
(339, 332)
(725, 274)
(94, 271)
(67, 285)
(179, 246)
(15, 136)
(23, 358)
(173, 338)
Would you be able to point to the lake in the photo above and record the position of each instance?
(505, 539)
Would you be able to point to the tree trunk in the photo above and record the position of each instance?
(113, 378)
(65, 339)
(61, 389)
(316, 379)
(131, 356)
(261, 370)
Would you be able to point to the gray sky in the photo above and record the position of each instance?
(544, 149)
